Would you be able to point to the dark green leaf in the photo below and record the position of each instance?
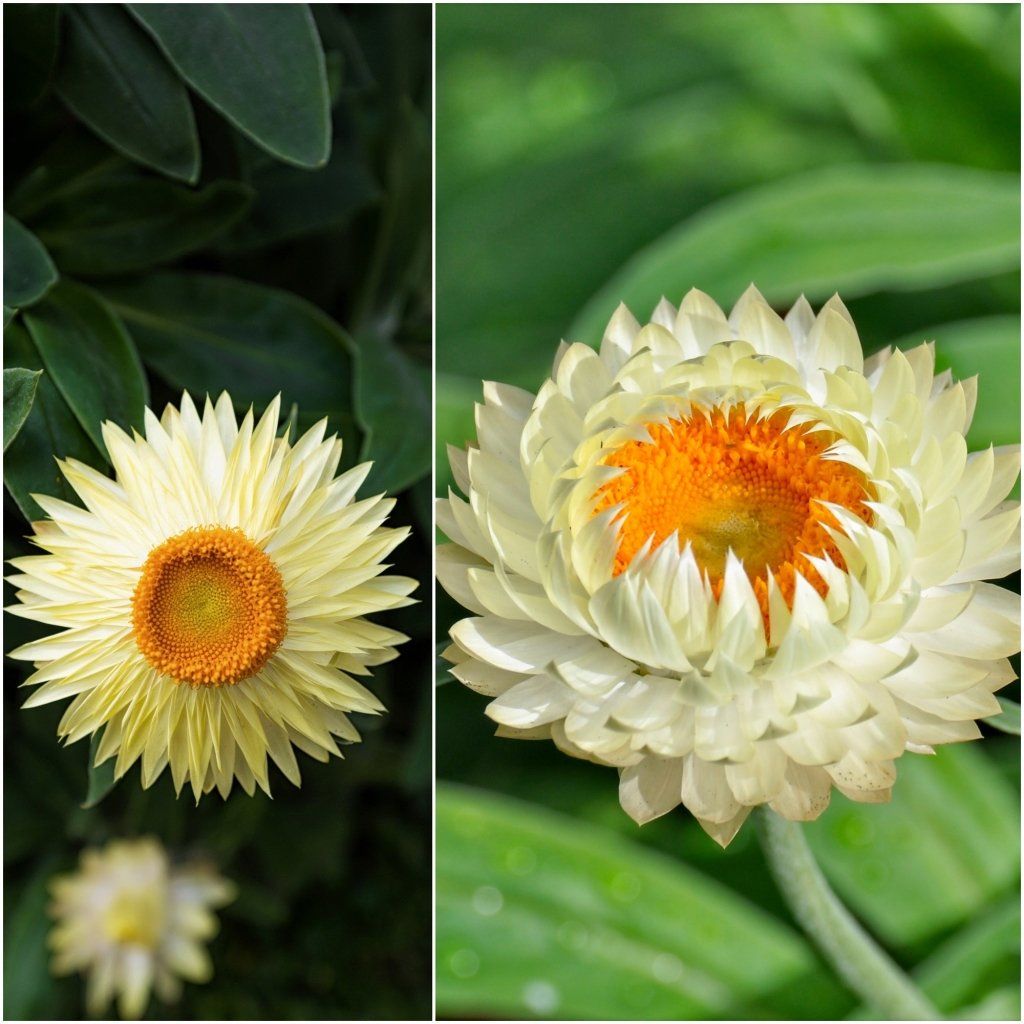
(990, 348)
(208, 333)
(9, 315)
(49, 432)
(392, 405)
(28, 270)
(26, 961)
(1009, 719)
(291, 203)
(542, 915)
(101, 777)
(90, 357)
(260, 65)
(123, 223)
(19, 393)
(946, 845)
(851, 230)
(30, 33)
(112, 76)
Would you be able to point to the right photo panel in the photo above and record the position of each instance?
(728, 549)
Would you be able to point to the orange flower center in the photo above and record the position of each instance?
(210, 608)
(725, 481)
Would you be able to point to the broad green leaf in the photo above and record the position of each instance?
(50, 432)
(209, 333)
(113, 77)
(9, 315)
(101, 777)
(392, 405)
(947, 845)
(990, 348)
(852, 230)
(29, 272)
(90, 357)
(986, 951)
(1008, 720)
(541, 915)
(19, 393)
(31, 34)
(123, 223)
(260, 65)
(26, 959)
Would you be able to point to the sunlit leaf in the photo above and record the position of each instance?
(851, 229)
(944, 847)
(541, 915)
(1009, 719)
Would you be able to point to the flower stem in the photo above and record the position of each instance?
(856, 957)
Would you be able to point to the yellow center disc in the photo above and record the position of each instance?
(210, 607)
(723, 481)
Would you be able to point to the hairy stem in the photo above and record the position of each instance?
(856, 957)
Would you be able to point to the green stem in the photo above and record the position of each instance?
(856, 957)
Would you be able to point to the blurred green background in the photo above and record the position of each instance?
(207, 202)
(592, 154)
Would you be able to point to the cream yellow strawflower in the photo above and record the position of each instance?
(211, 598)
(735, 560)
(133, 922)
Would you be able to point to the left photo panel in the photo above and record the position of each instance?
(217, 511)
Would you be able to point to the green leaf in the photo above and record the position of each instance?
(260, 65)
(27, 978)
(29, 272)
(965, 966)
(990, 348)
(101, 776)
(50, 432)
(19, 393)
(207, 333)
(112, 77)
(947, 844)
(1009, 719)
(121, 223)
(852, 230)
(9, 315)
(392, 405)
(90, 357)
(291, 203)
(31, 31)
(542, 915)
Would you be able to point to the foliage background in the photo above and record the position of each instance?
(589, 155)
(201, 200)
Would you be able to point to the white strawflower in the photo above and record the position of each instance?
(733, 560)
(211, 598)
(133, 922)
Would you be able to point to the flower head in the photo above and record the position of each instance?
(132, 921)
(734, 560)
(211, 598)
